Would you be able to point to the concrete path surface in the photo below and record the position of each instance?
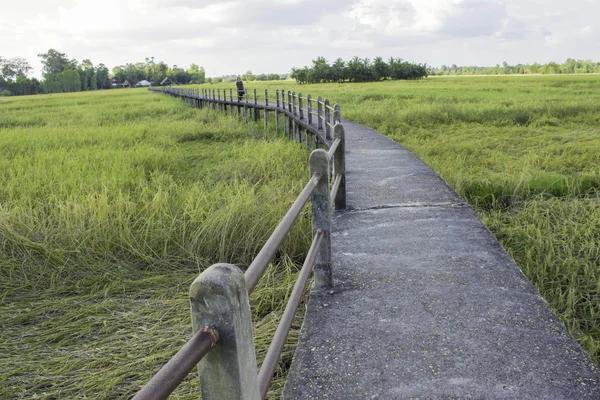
(426, 304)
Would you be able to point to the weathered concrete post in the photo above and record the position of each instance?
(231, 102)
(309, 107)
(219, 99)
(337, 115)
(339, 166)
(246, 104)
(266, 116)
(321, 217)
(327, 120)
(290, 119)
(295, 125)
(308, 140)
(277, 111)
(300, 109)
(255, 109)
(219, 299)
(319, 113)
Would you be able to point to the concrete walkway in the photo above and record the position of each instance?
(426, 304)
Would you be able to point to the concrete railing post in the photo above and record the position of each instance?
(255, 108)
(290, 120)
(309, 107)
(300, 110)
(219, 299)
(277, 111)
(337, 115)
(246, 104)
(339, 166)
(321, 217)
(319, 113)
(327, 120)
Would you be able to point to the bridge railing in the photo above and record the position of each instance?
(223, 343)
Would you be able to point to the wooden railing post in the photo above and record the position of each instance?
(231, 102)
(219, 299)
(321, 217)
(300, 109)
(339, 166)
(327, 120)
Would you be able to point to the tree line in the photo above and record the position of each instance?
(570, 66)
(358, 70)
(61, 74)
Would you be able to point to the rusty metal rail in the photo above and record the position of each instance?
(179, 366)
(268, 367)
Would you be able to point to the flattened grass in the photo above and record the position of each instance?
(111, 203)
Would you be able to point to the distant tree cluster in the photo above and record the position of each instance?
(248, 77)
(156, 72)
(13, 77)
(358, 70)
(570, 66)
(61, 74)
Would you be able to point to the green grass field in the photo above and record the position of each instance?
(524, 151)
(110, 204)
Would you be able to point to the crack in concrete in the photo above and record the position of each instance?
(388, 206)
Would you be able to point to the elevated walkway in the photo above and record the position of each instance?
(426, 304)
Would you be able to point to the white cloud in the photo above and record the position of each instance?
(231, 36)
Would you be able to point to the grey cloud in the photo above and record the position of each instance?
(473, 18)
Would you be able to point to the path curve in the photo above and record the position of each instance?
(426, 303)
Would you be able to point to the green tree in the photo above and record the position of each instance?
(55, 62)
(14, 67)
(86, 70)
(197, 74)
(380, 70)
(102, 81)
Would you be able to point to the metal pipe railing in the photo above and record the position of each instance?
(270, 362)
(334, 188)
(179, 366)
(266, 254)
(333, 147)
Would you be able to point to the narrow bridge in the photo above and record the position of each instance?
(425, 303)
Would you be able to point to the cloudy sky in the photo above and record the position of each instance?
(231, 36)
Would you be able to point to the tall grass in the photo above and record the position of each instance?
(111, 203)
(524, 151)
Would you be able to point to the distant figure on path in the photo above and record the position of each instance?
(240, 88)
